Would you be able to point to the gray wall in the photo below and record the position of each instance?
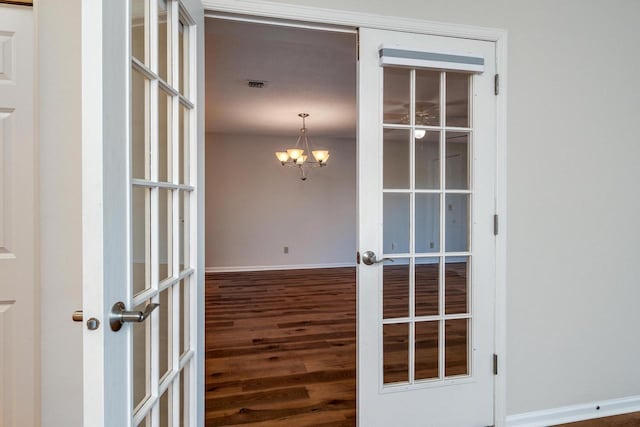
(255, 207)
(573, 201)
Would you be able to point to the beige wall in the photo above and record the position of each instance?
(573, 199)
(255, 207)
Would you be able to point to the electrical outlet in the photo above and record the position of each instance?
(432, 245)
(286, 249)
(393, 245)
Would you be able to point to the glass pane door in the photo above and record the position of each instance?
(162, 200)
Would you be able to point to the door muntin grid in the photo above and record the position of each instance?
(162, 201)
(425, 310)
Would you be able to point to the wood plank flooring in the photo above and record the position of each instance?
(281, 348)
(281, 344)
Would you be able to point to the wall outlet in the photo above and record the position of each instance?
(393, 245)
(432, 245)
(286, 249)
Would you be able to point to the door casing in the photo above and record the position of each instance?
(295, 13)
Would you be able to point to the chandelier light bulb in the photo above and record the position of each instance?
(420, 133)
(295, 153)
(320, 155)
(282, 156)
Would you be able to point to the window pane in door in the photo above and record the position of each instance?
(427, 159)
(396, 352)
(396, 223)
(457, 222)
(164, 42)
(185, 310)
(164, 409)
(140, 239)
(456, 285)
(458, 99)
(456, 338)
(165, 210)
(427, 98)
(427, 223)
(183, 246)
(396, 154)
(457, 166)
(139, 31)
(141, 359)
(164, 311)
(183, 59)
(427, 286)
(140, 152)
(426, 354)
(164, 136)
(395, 288)
(397, 98)
(183, 145)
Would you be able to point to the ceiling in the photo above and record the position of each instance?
(305, 71)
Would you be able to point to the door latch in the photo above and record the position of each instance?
(120, 316)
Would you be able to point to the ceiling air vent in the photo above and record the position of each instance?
(258, 84)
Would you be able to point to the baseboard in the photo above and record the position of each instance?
(581, 412)
(276, 267)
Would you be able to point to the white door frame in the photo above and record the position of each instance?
(292, 12)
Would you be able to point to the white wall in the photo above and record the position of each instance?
(573, 200)
(255, 207)
(58, 27)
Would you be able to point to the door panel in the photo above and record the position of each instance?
(426, 203)
(143, 209)
(18, 340)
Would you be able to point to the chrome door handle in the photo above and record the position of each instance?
(120, 316)
(369, 258)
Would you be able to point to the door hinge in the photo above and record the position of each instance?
(495, 364)
(495, 225)
(358, 44)
(496, 84)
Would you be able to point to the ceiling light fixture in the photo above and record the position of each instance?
(297, 156)
(420, 133)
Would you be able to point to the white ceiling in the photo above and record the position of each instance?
(305, 70)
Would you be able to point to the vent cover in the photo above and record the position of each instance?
(258, 84)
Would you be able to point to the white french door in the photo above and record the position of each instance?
(427, 179)
(142, 212)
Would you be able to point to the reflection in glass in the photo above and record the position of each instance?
(456, 285)
(396, 96)
(139, 126)
(395, 352)
(427, 158)
(140, 239)
(427, 286)
(458, 99)
(457, 167)
(427, 98)
(396, 158)
(426, 356)
(457, 222)
(141, 362)
(456, 351)
(427, 223)
(395, 289)
(395, 237)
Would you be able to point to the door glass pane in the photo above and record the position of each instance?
(141, 359)
(456, 338)
(396, 352)
(183, 145)
(456, 285)
(396, 223)
(165, 210)
(457, 166)
(395, 288)
(185, 309)
(426, 356)
(183, 64)
(397, 87)
(139, 125)
(427, 223)
(139, 31)
(427, 159)
(395, 160)
(164, 312)
(140, 239)
(427, 98)
(458, 99)
(427, 286)
(164, 409)
(184, 395)
(164, 136)
(164, 42)
(456, 224)
(183, 209)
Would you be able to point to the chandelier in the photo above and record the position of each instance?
(298, 156)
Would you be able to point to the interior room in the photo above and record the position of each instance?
(280, 241)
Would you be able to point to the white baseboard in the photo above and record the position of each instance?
(275, 267)
(581, 412)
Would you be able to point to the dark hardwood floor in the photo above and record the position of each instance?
(281, 344)
(281, 348)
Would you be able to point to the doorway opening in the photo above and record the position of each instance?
(280, 285)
